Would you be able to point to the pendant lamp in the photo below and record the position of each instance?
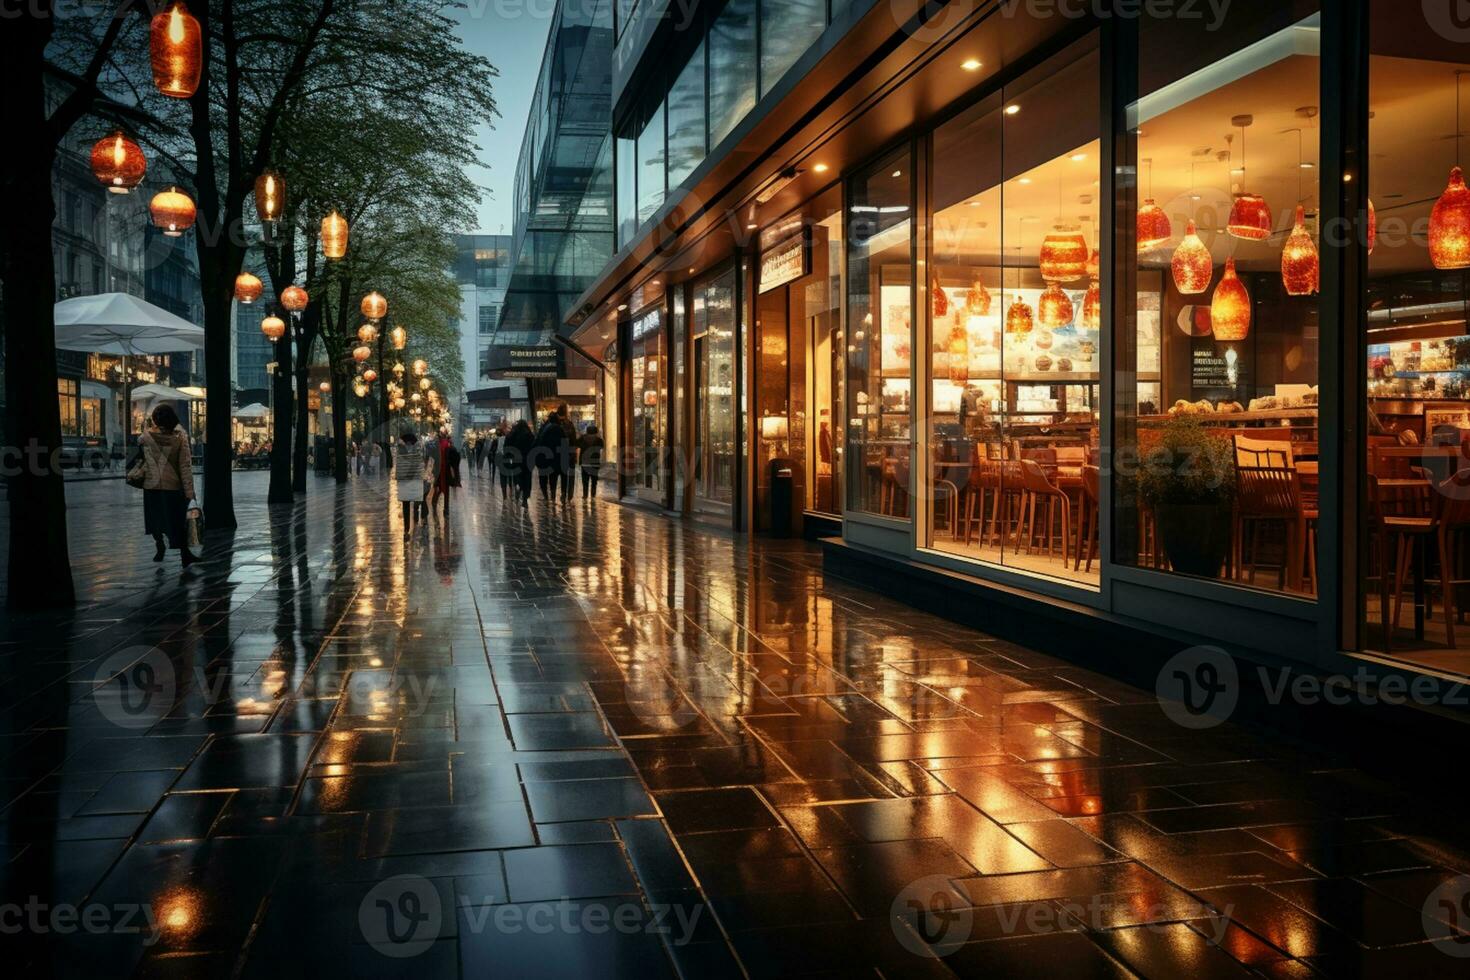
(176, 50)
(118, 163)
(1019, 319)
(1154, 228)
(977, 299)
(273, 327)
(1064, 254)
(1250, 216)
(1230, 311)
(294, 298)
(248, 287)
(959, 354)
(1449, 225)
(940, 299)
(1054, 309)
(1372, 227)
(1092, 306)
(1301, 271)
(1192, 264)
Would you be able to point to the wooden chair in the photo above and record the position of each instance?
(1040, 493)
(1447, 517)
(1088, 514)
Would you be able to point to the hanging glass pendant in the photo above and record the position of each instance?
(1449, 225)
(941, 300)
(1092, 306)
(1154, 228)
(1064, 255)
(977, 300)
(1372, 227)
(1054, 309)
(1250, 218)
(118, 163)
(1019, 319)
(1301, 271)
(1094, 265)
(1230, 311)
(1192, 264)
(959, 354)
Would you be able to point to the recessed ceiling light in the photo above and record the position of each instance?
(1012, 109)
(622, 307)
(1308, 165)
(751, 226)
(1024, 180)
(970, 64)
(898, 173)
(820, 168)
(1078, 157)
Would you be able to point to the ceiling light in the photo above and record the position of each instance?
(751, 226)
(622, 307)
(970, 64)
(820, 168)
(898, 173)
(1012, 109)
(1308, 165)
(1024, 180)
(1078, 157)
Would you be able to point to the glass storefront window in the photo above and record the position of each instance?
(880, 259)
(627, 190)
(648, 365)
(713, 326)
(788, 28)
(823, 302)
(651, 165)
(607, 393)
(687, 119)
(1015, 319)
(1216, 456)
(732, 64)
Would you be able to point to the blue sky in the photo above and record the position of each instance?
(512, 34)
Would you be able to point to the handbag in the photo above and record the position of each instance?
(194, 524)
(137, 473)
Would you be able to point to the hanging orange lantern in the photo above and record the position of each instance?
(1064, 255)
(977, 299)
(1449, 225)
(367, 333)
(370, 375)
(359, 389)
(1372, 227)
(398, 368)
(176, 48)
(1250, 218)
(1301, 271)
(1092, 306)
(273, 327)
(426, 383)
(1230, 310)
(294, 298)
(1193, 265)
(334, 236)
(374, 306)
(958, 349)
(118, 163)
(361, 353)
(1019, 319)
(1054, 310)
(1154, 228)
(420, 368)
(248, 287)
(172, 211)
(325, 387)
(399, 337)
(941, 300)
(270, 196)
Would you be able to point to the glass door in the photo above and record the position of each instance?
(714, 448)
(648, 369)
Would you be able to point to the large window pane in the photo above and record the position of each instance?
(1217, 421)
(627, 191)
(880, 347)
(731, 68)
(788, 28)
(651, 165)
(687, 120)
(649, 370)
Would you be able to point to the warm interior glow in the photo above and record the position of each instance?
(1230, 310)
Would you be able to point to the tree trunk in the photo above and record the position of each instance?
(219, 450)
(280, 486)
(39, 563)
(339, 425)
(303, 411)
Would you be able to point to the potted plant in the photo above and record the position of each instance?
(1188, 480)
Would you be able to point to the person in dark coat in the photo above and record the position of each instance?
(168, 483)
(551, 445)
(516, 459)
(589, 459)
(567, 460)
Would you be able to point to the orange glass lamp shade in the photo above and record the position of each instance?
(1230, 310)
(426, 383)
(176, 49)
(1064, 255)
(270, 196)
(359, 389)
(1092, 306)
(1372, 227)
(172, 211)
(1019, 319)
(941, 300)
(977, 299)
(1301, 271)
(367, 333)
(1449, 225)
(248, 287)
(1154, 228)
(273, 327)
(958, 349)
(334, 236)
(118, 163)
(1193, 266)
(1094, 264)
(420, 368)
(1054, 310)
(1250, 218)
(370, 375)
(398, 368)
(294, 299)
(325, 387)
(374, 306)
(361, 353)
(399, 337)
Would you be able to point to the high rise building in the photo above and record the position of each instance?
(482, 269)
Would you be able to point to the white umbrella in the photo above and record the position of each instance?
(254, 410)
(163, 393)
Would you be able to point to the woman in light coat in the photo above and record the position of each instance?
(408, 474)
(168, 483)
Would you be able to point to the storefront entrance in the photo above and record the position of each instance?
(712, 355)
(648, 414)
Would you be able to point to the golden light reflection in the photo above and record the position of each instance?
(179, 912)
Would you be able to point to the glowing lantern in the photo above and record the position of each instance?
(1301, 271)
(294, 299)
(1230, 311)
(359, 389)
(362, 353)
(176, 48)
(367, 333)
(334, 236)
(118, 163)
(398, 368)
(172, 211)
(1193, 265)
(325, 387)
(420, 368)
(426, 383)
(270, 196)
(941, 300)
(1064, 255)
(977, 299)
(1054, 309)
(399, 337)
(959, 354)
(273, 327)
(1449, 225)
(1372, 227)
(1092, 306)
(418, 397)
(1019, 319)
(370, 375)
(1250, 218)
(1154, 228)
(374, 306)
(248, 287)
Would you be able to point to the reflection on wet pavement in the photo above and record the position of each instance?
(595, 742)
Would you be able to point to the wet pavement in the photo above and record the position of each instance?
(594, 742)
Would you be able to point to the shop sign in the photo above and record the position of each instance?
(530, 362)
(786, 261)
(1210, 369)
(646, 324)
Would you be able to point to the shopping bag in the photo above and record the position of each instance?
(195, 524)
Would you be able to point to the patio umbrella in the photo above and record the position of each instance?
(123, 324)
(254, 410)
(162, 393)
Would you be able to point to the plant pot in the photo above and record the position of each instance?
(1195, 537)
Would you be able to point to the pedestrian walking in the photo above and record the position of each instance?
(500, 460)
(567, 459)
(589, 459)
(446, 471)
(431, 470)
(408, 475)
(520, 443)
(551, 443)
(168, 483)
(481, 446)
